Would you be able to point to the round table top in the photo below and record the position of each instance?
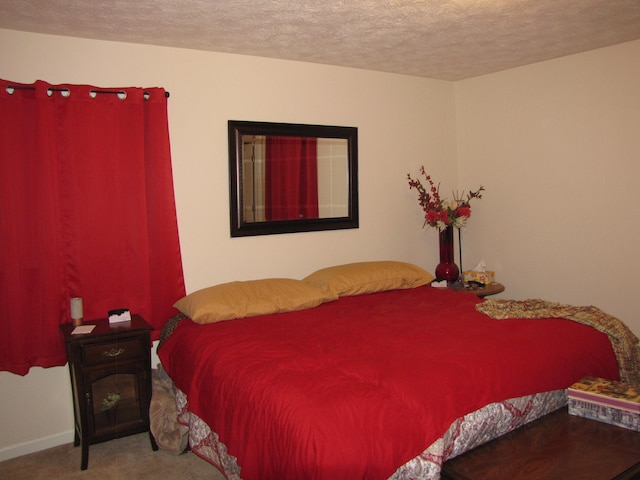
(480, 291)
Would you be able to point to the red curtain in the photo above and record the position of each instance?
(87, 204)
(291, 178)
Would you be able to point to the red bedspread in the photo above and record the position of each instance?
(355, 388)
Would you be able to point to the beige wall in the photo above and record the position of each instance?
(402, 121)
(542, 139)
(557, 145)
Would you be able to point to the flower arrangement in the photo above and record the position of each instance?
(439, 212)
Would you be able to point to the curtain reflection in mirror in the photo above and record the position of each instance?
(294, 178)
(291, 178)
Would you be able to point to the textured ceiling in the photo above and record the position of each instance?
(443, 39)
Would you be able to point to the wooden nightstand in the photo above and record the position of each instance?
(491, 289)
(110, 372)
(557, 446)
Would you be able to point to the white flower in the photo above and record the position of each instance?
(460, 222)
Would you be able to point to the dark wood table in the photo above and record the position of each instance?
(110, 370)
(557, 446)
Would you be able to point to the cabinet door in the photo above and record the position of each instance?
(117, 400)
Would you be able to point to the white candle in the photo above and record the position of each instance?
(76, 308)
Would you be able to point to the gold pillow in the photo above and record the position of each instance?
(369, 277)
(251, 298)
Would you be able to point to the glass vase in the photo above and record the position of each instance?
(447, 268)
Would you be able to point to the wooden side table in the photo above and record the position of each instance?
(110, 371)
(484, 291)
(557, 446)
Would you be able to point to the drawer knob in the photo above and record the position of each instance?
(114, 352)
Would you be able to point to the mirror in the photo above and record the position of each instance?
(286, 178)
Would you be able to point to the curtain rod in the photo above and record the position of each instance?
(55, 89)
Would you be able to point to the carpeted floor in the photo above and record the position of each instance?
(127, 458)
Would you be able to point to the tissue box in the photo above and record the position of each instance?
(607, 401)
(481, 277)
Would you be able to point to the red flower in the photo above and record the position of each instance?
(463, 211)
(432, 216)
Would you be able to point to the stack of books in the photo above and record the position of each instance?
(616, 403)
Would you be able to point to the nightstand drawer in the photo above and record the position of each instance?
(115, 351)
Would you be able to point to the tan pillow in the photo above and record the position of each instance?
(369, 277)
(251, 298)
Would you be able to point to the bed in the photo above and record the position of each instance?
(365, 371)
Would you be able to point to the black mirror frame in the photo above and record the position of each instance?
(240, 228)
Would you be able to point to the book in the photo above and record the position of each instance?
(609, 401)
(82, 329)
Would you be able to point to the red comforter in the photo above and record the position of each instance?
(355, 388)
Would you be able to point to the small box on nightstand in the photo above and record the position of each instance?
(485, 278)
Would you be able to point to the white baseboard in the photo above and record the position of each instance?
(36, 445)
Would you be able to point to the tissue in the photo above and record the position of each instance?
(480, 267)
(480, 274)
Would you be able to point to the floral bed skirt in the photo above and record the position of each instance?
(465, 433)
